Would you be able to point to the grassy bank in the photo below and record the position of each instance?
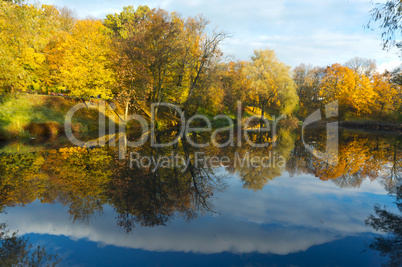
(26, 116)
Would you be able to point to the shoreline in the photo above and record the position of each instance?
(372, 126)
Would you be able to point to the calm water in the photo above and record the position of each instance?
(93, 209)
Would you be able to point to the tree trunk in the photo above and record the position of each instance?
(262, 116)
(382, 107)
(126, 112)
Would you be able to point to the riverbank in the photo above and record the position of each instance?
(368, 126)
(25, 116)
(372, 126)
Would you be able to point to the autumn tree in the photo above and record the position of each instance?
(146, 41)
(131, 75)
(120, 23)
(308, 81)
(83, 60)
(204, 56)
(235, 85)
(26, 30)
(29, 33)
(353, 91)
(271, 84)
(157, 46)
(163, 57)
(388, 95)
(67, 19)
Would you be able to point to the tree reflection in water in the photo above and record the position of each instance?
(17, 251)
(152, 196)
(86, 179)
(361, 156)
(390, 224)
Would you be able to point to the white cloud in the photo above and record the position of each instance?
(289, 215)
(389, 66)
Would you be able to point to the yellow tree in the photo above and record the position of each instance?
(164, 58)
(388, 95)
(85, 69)
(235, 85)
(25, 32)
(353, 91)
(148, 44)
(203, 57)
(271, 84)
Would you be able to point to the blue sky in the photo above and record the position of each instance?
(300, 31)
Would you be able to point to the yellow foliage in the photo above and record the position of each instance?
(351, 89)
(388, 95)
(85, 68)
